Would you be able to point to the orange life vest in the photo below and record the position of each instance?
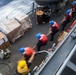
(43, 38)
(55, 26)
(28, 51)
(70, 15)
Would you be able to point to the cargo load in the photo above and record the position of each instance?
(24, 20)
(12, 29)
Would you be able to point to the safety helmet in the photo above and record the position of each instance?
(21, 50)
(22, 67)
(51, 22)
(67, 12)
(22, 63)
(38, 35)
(74, 3)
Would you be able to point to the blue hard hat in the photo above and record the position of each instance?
(21, 50)
(38, 35)
(74, 3)
(67, 12)
(51, 22)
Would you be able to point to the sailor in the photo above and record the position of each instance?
(54, 28)
(74, 8)
(27, 52)
(23, 66)
(42, 40)
(66, 19)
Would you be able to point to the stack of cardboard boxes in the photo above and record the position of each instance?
(12, 29)
(15, 27)
(24, 20)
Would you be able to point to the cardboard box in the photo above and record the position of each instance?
(12, 29)
(6, 31)
(4, 43)
(24, 20)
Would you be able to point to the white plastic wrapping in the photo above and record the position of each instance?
(12, 29)
(24, 20)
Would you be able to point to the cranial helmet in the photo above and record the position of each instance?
(38, 35)
(74, 3)
(51, 22)
(22, 63)
(21, 50)
(67, 12)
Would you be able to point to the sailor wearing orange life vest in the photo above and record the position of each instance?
(54, 28)
(66, 19)
(42, 40)
(74, 8)
(27, 52)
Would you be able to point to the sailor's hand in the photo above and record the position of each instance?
(49, 33)
(34, 53)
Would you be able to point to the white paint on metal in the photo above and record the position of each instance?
(0, 74)
(65, 62)
(71, 65)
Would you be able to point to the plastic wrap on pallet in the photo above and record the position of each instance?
(24, 20)
(4, 43)
(12, 29)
